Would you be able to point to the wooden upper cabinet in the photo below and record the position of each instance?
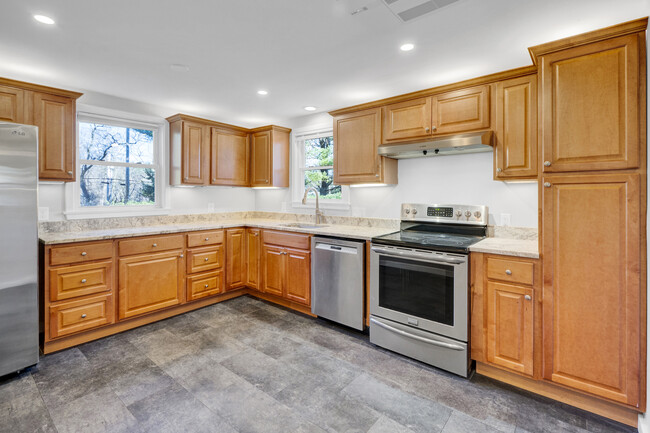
(356, 138)
(594, 300)
(406, 120)
(235, 258)
(270, 157)
(590, 106)
(229, 157)
(12, 104)
(55, 117)
(510, 331)
(515, 151)
(461, 110)
(253, 258)
(261, 158)
(195, 153)
(150, 282)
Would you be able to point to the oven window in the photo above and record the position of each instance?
(419, 289)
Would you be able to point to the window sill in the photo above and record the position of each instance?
(111, 213)
(322, 205)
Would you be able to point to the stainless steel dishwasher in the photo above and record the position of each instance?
(337, 280)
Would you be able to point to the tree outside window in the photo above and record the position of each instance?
(117, 165)
(318, 171)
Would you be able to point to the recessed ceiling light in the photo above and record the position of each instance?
(407, 47)
(310, 108)
(43, 19)
(262, 92)
(178, 67)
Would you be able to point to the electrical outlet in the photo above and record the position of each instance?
(210, 207)
(43, 213)
(505, 219)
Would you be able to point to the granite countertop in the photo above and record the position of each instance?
(346, 231)
(508, 247)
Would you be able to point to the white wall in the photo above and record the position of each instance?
(180, 200)
(462, 179)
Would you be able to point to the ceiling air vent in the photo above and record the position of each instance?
(408, 10)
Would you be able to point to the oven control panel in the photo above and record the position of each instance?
(446, 213)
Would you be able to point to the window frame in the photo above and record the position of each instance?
(89, 114)
(298, 176)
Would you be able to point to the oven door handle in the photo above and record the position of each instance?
(416, 256)
(417, 337)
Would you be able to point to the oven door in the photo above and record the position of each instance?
(422, 289)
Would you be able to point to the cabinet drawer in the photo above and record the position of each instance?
(152, 244)
(80, 280)
(204, 259)
(202, 285)
(74, 316)
(292, 240)
(204, 238)
(75, 253)
(510, 270)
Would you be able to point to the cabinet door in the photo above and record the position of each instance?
(253, 258)
(12, 103)
(406, 120)
(229, 153)
(590, 106)
(461, 110)
(261, 158)
(510, 327)
(515, 152)
(149, 283)
(55, 118)
(273, 265)
(235, 258)
(356, 137)
(298, 282)
(195, 157)
(593, 302)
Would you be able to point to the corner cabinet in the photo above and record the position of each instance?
(54, 112)
(515, 149)
(204, 152)
(235, 258)
(253, 249)
(356, 139)
(270, 157)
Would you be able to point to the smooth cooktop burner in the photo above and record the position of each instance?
(428, 240)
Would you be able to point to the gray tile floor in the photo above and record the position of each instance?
(248, 366)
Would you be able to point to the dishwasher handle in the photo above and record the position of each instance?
(336, 248)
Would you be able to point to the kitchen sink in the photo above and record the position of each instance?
(303, 226)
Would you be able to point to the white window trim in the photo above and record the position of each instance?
(297, 183)
(73, 209)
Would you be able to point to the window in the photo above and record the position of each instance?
(315, 168)
(118, 167)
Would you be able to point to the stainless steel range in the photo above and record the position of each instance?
(419, 284)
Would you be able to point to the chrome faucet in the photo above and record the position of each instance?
(319, 213)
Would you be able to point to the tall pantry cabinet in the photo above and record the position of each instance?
(592, 133)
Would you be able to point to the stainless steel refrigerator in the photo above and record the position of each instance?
(18, 247)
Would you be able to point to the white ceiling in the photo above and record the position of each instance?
(304, 52)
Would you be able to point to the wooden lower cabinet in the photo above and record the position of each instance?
(235, 258)
(150, 282)
(206, 284)
(274, 269)
(298, 276)
(253, 251)
(286, 271)
(69, 317)
(510, 328)
(594, 304)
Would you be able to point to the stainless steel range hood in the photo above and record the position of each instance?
(472, 142)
